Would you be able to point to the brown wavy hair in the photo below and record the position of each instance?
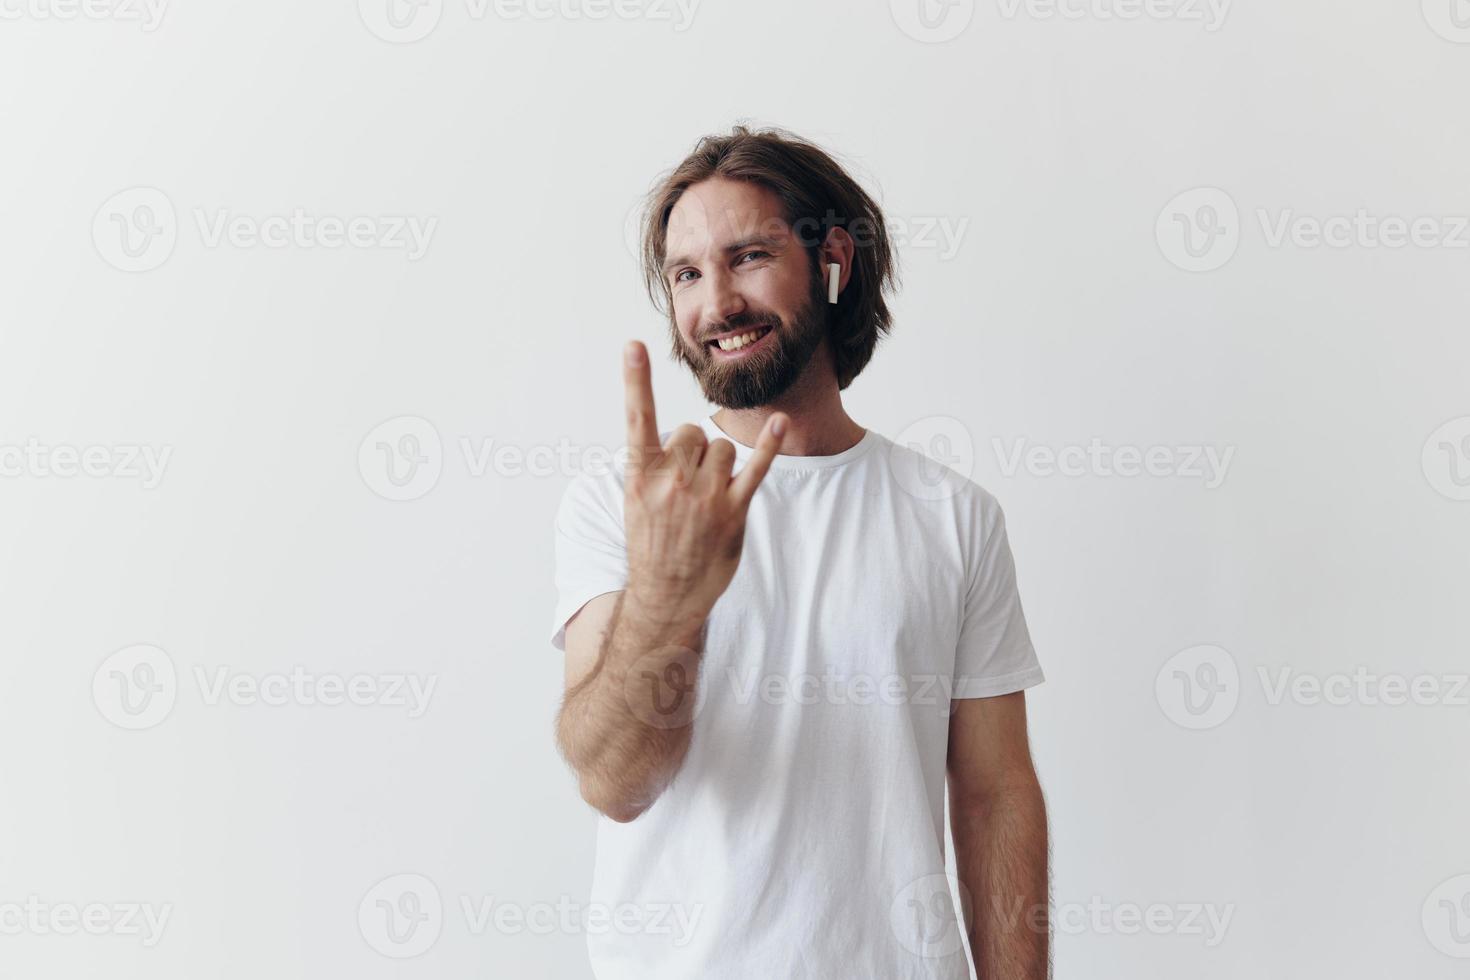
(817, 195)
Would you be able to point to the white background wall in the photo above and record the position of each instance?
(1050, 149)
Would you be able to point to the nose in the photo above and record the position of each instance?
(725, 299)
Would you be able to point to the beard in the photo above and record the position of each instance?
(763, 376)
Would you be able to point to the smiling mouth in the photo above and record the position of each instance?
(737, 343)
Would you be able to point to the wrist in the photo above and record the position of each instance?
(663, 614)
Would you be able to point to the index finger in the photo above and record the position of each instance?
(742, 488)
(643, 444)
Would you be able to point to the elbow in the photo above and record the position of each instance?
(623, 814)
(615, 809)
(604, 797)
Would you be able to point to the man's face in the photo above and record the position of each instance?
(736, 269)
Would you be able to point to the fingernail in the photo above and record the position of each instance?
(778, 425)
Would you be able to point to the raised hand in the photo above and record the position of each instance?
(683, 513)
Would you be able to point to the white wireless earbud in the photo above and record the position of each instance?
(834, 273)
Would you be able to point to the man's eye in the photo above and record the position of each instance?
(748, 254)
(680, 276)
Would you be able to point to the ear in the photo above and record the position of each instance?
(838, 248)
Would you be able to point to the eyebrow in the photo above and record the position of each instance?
(762, 241)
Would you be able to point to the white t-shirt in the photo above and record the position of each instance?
(803, 836)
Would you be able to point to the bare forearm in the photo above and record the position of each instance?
(1001, 855)
(625, 729)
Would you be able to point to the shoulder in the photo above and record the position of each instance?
(940, 481)
(595, 492)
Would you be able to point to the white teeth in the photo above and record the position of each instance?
(735, 343)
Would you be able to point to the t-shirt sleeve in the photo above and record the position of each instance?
(994, 655)
(591, 549)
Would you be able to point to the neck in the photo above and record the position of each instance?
(819, 425)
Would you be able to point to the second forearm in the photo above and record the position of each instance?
(1001, 854)
(626, 728)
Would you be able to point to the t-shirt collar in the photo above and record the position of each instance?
(784, 462)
